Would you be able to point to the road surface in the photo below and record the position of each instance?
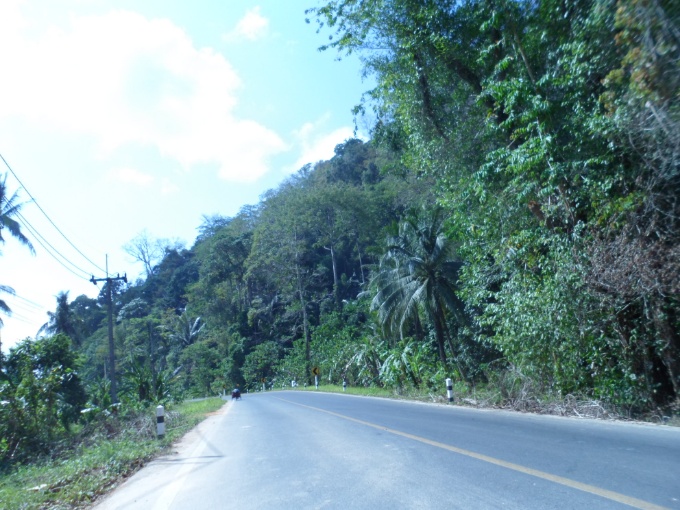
(300, 450)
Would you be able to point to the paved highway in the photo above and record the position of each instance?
(299, 450)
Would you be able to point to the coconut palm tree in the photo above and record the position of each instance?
(9, 208)
(185, 331)
(3, 306)
(418, 279)
(62, 320)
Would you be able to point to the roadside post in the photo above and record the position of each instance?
(449, 389)
(160, 422)
(344, 384)
(316, 373)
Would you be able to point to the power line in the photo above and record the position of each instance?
(19, 317)
(38, 238)
(46, 216)
(28, 301)
(18, 305)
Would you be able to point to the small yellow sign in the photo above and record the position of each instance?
(316, 371)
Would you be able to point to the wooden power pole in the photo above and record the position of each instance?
(112, 355)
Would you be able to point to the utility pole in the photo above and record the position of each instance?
(112, 355)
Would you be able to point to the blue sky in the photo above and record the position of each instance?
(126, 116)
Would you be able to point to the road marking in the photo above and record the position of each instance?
(567, 482)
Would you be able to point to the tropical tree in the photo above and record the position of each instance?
(418, 278)
(4, 307)
(282, 258)
(148, 251)
(221, 292)
(10, 207)
(184, 331)
(42, 395)
(62, 320)
(260, 364)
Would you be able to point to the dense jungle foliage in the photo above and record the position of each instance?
(513, 221)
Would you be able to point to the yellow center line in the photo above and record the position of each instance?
(567, 482)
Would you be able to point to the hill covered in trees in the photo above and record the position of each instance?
(513, 224)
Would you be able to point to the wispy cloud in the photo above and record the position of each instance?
(151, 87)
(316, 144)
(169, 188)
(252, 26)
(131, 176)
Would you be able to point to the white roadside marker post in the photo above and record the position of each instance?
(160, 422)
(449, 389)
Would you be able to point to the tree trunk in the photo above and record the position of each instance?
(361, 264)
(336, 286)
(669, 351)
(305, 324)
(439, 334)
(305, 330)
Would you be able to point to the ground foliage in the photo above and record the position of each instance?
(97, 457)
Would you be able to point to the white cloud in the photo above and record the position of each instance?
(317, 145)
(125, 80)
(131, 176)
(168, 187)
(252, 26)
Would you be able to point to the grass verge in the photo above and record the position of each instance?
(491, 397)
(368, 392)
(107, 453)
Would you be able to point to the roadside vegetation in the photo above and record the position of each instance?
(512, 224)
(93, 458)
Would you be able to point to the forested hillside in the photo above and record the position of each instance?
(512, 224)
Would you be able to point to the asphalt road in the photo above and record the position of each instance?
(300, 450)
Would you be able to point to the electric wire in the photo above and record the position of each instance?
(40, 240)
(20, 317)
(18, 305)
(28, 301)
(23, 310)
(12, 313)
(48, 218)
(30, 228)
(35, 232)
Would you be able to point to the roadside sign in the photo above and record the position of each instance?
(316, 371)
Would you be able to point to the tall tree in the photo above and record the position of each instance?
(10, 208)
(4, 307)
(418, 276)
(143, 248)
(336, 215)
(282, 257)
(62, 320)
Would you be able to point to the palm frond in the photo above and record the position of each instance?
(418, 275)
